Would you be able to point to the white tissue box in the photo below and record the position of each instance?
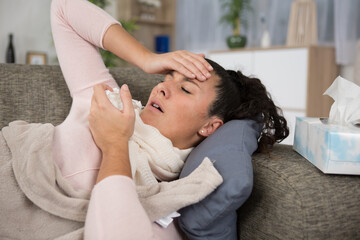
(331, 148)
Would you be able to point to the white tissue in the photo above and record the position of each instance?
(165, 221)
(115, 99)
(346, 108)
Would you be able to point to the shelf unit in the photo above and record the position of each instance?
(162, 23)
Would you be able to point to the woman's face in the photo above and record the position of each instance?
(178, 108)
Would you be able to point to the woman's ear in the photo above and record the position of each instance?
(210, 127)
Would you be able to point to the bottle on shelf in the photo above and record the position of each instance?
(10, 52)
(265, 39)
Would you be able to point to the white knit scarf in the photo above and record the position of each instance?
(153, 157)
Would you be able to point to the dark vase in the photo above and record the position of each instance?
(236, 41)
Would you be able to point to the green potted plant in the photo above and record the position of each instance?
(235, 16)
(99, 3)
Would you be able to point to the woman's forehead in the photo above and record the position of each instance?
(212, 80)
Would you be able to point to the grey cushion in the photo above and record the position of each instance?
(231, 147)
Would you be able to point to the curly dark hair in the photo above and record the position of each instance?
(242, 97)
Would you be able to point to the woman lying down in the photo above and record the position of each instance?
(132, 155)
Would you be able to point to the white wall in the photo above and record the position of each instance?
(29, 21)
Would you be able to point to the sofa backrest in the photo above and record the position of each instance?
(39, 93)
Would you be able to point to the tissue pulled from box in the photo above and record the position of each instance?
(346, 109)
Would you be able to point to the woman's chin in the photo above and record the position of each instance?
(148, 118)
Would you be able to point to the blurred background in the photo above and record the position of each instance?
(190, 25)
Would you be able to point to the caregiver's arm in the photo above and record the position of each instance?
(104, 121)
(120, 42)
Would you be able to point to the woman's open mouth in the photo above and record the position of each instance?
(156, 106)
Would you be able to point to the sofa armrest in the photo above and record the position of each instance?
(292, 199)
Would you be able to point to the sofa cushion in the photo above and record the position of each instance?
(230, 147)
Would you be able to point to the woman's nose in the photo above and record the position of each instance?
(164, 89)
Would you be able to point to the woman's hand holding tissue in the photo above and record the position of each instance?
(111, 129)
(108, 124)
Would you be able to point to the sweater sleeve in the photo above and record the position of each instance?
(115, 212)
(78, 28)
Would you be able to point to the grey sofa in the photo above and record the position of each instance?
(291, 199)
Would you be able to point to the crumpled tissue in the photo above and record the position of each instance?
(345, 111)
(115, 99)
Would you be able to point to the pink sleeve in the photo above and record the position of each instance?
(115, 212)
(78, 28)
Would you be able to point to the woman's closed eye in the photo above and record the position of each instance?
(185, 90)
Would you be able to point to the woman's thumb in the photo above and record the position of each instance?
(125, 96)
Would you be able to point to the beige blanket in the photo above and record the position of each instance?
(36, 202)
